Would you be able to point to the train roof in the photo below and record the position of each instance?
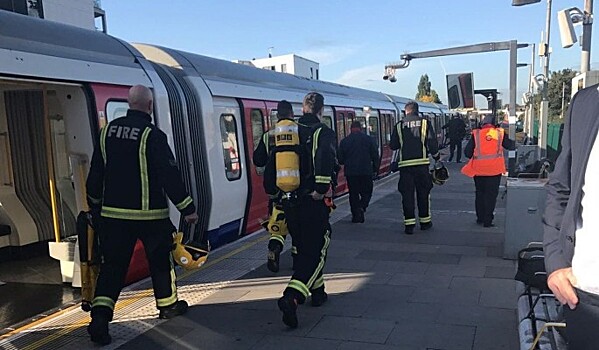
(224, 77)
(33, 35)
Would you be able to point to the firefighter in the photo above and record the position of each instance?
(415, 139)
(131, 171)
(486, 165)
(260, 158)
(306, 209)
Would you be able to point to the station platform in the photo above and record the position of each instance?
(446, 288)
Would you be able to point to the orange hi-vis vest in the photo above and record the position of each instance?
(487, 159)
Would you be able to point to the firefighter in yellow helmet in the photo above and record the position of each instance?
(276, 225)
(305, 208)
(131, 171)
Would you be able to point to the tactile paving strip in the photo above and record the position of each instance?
(136, 311)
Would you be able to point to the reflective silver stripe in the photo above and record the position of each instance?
(399, 134)
(315, 137)
(103, 142)
(266, 141)
(411, 162)
(322, 179)
(288, 173)
(143, 167)
(184, 203)
(423, 138)
(134, 214)
(94, 200)
(286, 128)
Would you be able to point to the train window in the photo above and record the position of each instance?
(257, 126)
(340, 128)
(228, 131)
(328, 121)
(274, 118)
(390, 127)
(373, 129)
(116, 109)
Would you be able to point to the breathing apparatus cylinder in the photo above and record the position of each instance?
(287, 158)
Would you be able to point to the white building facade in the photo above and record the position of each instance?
(79, 13)
(291, 64)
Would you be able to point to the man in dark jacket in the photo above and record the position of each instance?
(359, 155)
(415, 138)
(132, 172)
(456, 131)
(571, 222)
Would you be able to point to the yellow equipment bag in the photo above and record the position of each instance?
(287, 159)
(90, 258)
(277, 224)
(190, 256)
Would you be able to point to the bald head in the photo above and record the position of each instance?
(140, 99)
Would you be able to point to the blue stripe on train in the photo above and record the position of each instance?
(224, 234)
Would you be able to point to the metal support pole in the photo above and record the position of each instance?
(512, 115)
(531, 106)
(545, 102)
(585, 56)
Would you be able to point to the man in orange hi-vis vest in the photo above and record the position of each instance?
(486, 165)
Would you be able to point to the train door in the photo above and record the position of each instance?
(342, 132)
(386, 152)
(255, 117)
(44, 143)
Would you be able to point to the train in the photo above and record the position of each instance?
(60, 84)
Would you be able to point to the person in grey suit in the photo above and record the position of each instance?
(571, 223)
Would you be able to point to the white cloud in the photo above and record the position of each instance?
(328, 54)
(363, 77)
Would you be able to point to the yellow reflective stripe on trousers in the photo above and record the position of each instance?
(134, 214)
(411, 162)
(278, 238)
(103, 301)
(300, 287)
(103, 142)
(184, 203)
(173, 297)
(315, 137)
(319, 282)
(323, 256)
(143, 170)
(409, 221)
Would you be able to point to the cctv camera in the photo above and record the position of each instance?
(393, 79)
(385, 77)
(566, 28)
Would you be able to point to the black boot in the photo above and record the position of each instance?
(273, 259)
(319, 297)
(98, 327)
(288, 305)
(177, 308)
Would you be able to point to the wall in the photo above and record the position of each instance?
(78, 13)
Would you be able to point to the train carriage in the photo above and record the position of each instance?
(61, 84)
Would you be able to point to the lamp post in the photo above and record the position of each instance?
(544, 52)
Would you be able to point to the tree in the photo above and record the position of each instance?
(425, 93)
(559, 92)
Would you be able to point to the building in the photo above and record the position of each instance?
(79, 13)
(291, 63)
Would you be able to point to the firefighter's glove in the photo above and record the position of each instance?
(317, 196)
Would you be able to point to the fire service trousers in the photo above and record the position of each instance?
(417, 179)
(117, 242)
(360, 192)
(308, 221)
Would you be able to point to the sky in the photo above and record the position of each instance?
(353, 40)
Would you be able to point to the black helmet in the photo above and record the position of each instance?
(440, 174)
